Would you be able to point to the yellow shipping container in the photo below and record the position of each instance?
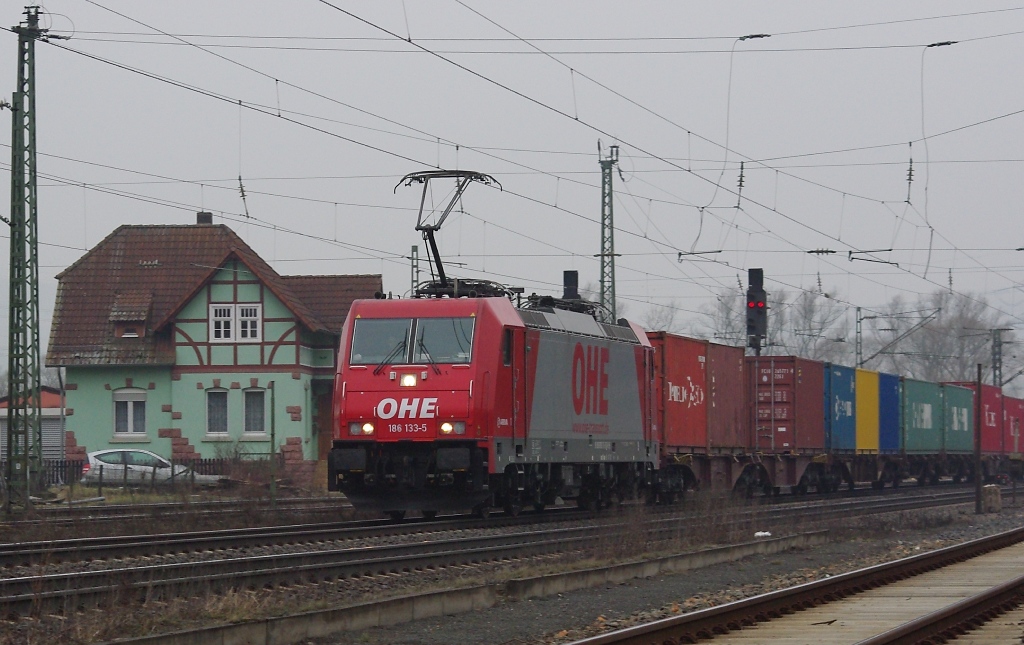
(867, 411)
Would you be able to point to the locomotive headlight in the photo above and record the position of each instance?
(408, 380)
(357, 428)
(458, 427)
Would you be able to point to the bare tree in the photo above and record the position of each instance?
(723, 320)
(941, 336)
(811, 325)
(818, 328)
(661, 317)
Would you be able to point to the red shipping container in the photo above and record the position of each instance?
(992, 422)
(680, 369)
(1014, 410)
(728, 426)
(787, 397)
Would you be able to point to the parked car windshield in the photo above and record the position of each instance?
(443, 340)
(379, 340)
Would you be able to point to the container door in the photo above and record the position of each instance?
(889, 413)
(840, 408)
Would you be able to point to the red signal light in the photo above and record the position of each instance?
(760, 305)
(750, 304)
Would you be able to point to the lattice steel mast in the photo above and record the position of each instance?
(607, 255)
(24, 430)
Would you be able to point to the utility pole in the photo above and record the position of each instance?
(859, 345)
(24, 430)
(997, 355)
(607, 254)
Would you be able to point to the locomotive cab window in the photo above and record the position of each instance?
(380, 340)
(443, 340)
(506, 348)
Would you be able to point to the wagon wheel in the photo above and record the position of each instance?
(396, 515)
(588, 501)
(801, 488)
(483, 511)
(513, 504)
(429, 515)
(539, 506)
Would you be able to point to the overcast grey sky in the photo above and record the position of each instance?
(151, 111)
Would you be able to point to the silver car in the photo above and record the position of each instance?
(139, 467)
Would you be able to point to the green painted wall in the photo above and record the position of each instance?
(92, 403)
(190, 399)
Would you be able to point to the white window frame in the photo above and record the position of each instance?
(245, 404)
(132, 397)
(257, 317)
(226, 314)
(232, 314)
(227, 417)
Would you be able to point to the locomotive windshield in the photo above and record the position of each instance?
(379, 340)
(386, 340)
(443, 340)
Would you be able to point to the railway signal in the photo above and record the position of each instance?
(757, 310)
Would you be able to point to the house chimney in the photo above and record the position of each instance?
(570, 284)
(204, 217)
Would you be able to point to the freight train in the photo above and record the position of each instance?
(465, 396)
(474, 403)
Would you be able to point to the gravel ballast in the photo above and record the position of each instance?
(573, 616)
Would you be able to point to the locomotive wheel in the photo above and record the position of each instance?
(429, 515)
(512, 506)
(482, 511)
(539, 506)
(396, 515)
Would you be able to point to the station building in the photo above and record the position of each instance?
(181, 340)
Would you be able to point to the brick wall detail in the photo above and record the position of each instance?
(73, 451)
(296, 468)
(181, 447)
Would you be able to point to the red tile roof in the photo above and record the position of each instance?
(167, 265)
(49, 397)
(330, 296)
(131, 306)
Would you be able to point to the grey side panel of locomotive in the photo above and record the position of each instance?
(556, 432)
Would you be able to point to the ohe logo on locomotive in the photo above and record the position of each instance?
(590, 379)
(411, 408)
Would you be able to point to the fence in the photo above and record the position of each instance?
(63, 471)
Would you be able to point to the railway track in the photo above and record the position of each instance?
(928, 598)
(48, 552)
(57, 514)
(220, 568)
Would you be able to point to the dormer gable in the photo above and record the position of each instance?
(130, 313)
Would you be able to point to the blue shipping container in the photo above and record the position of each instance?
(840, 422)
(890, 436)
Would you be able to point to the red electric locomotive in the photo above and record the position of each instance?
(459, 399)
(463, 403)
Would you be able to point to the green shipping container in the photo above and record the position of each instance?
(923, 416)
(959, 411)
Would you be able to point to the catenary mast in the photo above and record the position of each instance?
(24, 429)
(607, 255)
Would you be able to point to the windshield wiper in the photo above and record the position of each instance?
(391, 355)
(430, 359)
